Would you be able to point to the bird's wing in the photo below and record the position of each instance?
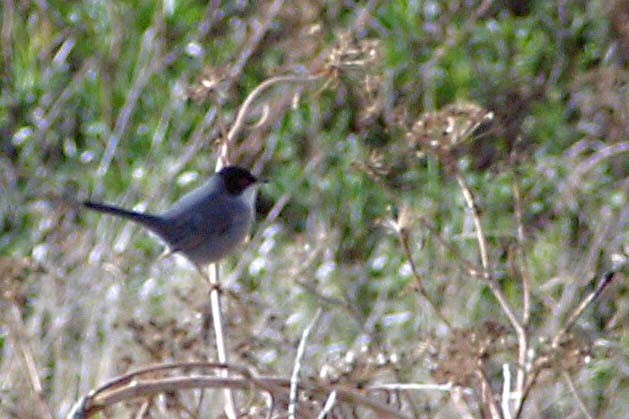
(199, 224)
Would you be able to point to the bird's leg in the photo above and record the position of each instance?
(204, 272)
(206, 275)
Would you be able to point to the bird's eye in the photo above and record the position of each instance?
(245, 182)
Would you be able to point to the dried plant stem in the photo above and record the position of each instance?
(576, 313)
(330, 301)
(466, 265)
(506, 391)
(223, 159)
(487, 395)
(577, 396)
(482, 245)
(526, 291)
(246, 107)
(217, 321)
(294, 379)
(543, 362)
(20, 342)
(143, 410)
(413, 386)
(148, 64)
(493, 284)
(524, 271)
(404, 239)
(260, 29)
(328, 405)
(147, 382)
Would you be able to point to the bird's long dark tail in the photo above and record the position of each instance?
(148, 220)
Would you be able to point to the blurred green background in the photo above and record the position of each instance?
(125, 102)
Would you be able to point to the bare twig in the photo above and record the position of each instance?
(482, 245)
(246, 105)
(412, 386)
(259, 30)
(143, 410)
(491, 280)
(543, 362)
(506, 391)
(20, 342)
(294, 379)
(524, 272)
(147, 382)
(459, 400)
(148, 64)
(328, 300)
(528, 385)
(404, 234)
(577, 396)
(576, 313)
(526, 287)
(217, 321)
(466, 265)
(487, 395)
(328, 405)
(575, 177)
(56, 108)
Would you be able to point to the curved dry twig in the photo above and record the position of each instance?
(481, 238)
(143, 383)
(245, 108)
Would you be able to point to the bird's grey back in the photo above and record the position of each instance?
(206, 224)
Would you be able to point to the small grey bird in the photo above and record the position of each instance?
(208, 223)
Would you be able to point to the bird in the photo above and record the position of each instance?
(208, 223)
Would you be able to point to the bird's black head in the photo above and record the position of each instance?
(236, 179)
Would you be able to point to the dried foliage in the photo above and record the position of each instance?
(463, 357)
(448, 189)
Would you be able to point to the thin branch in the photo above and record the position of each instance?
(147, 65)
(487, 395)
(544, 362)
(134, 385)
(259, 30)
(524, 272)
(162, 368)
(459, 400)
(143, 410)
(412, 386)
(576, 395)
(99, 398)
(217, 319)
(404, 234)
(526, 289)
(246, 105)
(151, 387)
(294, 379)
(506, 391)
(489, 277)
(355, 397)
(482, 245)
(467, 266)
(578, 311)
(17, 329)
(331, 301)
(328, 405)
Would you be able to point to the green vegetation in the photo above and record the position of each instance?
(524, 104)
